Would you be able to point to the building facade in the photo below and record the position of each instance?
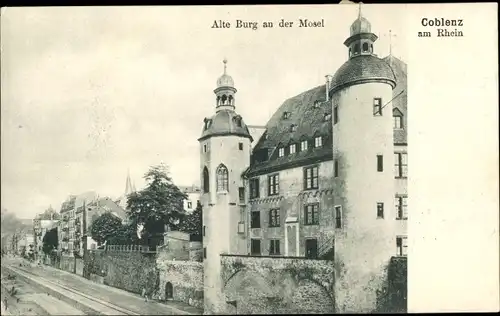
(193, 197)
(327, 179)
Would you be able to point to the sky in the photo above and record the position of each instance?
(90, 93)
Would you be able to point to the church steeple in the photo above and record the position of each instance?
(225, 91)
(361, 39)
(128, 185)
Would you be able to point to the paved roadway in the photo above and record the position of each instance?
(113, 295)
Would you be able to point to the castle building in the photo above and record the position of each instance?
(327, 179)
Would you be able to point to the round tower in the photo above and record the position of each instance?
(365, 240)
(225, 147)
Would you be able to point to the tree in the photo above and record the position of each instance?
(193, 223)
(125, 235)
(104, 227)
(50, 241)
(160, 203)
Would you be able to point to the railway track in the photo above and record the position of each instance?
(86, 303)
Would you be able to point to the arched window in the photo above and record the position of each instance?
(224, 99)
(222, 178)
(356, 49)
(218, 100)
(169, 291)
(230, 98)
(365, 47)
(206, 180)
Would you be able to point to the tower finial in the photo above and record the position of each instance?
(390, 42)
(359, 10)
(225, 64)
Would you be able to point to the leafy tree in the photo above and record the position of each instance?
(50, 241)
(125, 235)
(160, 203)
(193, 223)
(104, 227)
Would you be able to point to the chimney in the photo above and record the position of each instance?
(327, 90)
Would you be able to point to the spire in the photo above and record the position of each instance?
(225, 65)
(128, 184)
(359, 10)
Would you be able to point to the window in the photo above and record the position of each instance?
(292, 148)
(205, 149)
(255, 247)
(274, 218)
(365, 47)
(241, 193)
(356, 49)
(273, 184)
(190, 204)
(377, 107)
(255, 219)
(222, 179)
(205, 252)
(338, 216)
(311, 214)
(286, 115)
(204, 229)
(206, 181)
(336, 168)
(274, 247)
(293, 128)
(310, 178)
(398, 121)
(402, 246)
(311, 248)
(281, 152)
(240, 146)
(303, 145)
(335, 113)
(401, 207)
(380, 210)
(327, 116)
(318, 141)
(401, 165)
(380, 163)
(254, 188)
(237, 118)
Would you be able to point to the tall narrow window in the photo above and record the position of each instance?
(205, 252)
(377, 106)
(274, 218)
(274, 247)
(241, 193)
(206, 180)
(254, 188)
(222, 179)
(380, 163)
(338, 216)
(281, 152)
(292, 149)
(318, 141)
(336, 168)
(401, 207)
(240, 146)
(401, 165)
(255, 247)
(255, 223)
(311, 214)
(380, 210)
(365, 47)
(402, 246)
(335, 113)
(205, 149)
(398, 122)
(303, 145)
(311, 178)
(273, 184)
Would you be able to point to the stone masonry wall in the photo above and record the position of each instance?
(130, 271)
(185, 278)
(67, 263)
(274, 285)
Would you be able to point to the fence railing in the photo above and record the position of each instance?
(128, 248)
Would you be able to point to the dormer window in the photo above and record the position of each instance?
(327, 117)
(287, 115)
(293, 128)
(398, 120)
(237, 119)
(317, 103)
(318, 141)
(292, 149)
(303, 145)
(208, 122)
(281, 152)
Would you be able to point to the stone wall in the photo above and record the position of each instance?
(180, 280)
(67, 263)
(277, 285)
(130, 271)
(79, 266)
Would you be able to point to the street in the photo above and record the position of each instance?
(49, 291)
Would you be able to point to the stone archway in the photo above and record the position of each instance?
(309, 297)
(169, 291)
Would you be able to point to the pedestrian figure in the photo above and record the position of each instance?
(144, 294)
